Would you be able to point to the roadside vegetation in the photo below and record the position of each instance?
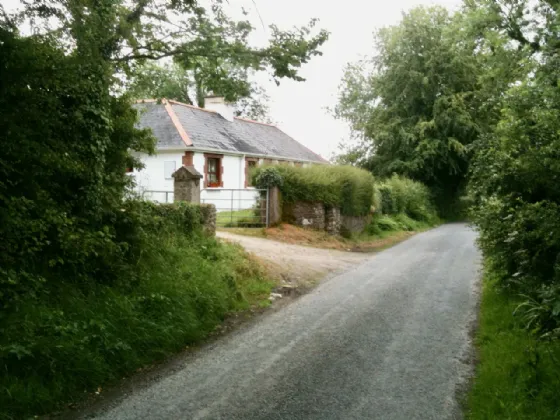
(64, 340)
(345, 187)
(396, 206)
(517, 375)
(469, 104)
(93, 283)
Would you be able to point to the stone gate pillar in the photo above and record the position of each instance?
(186, 185)
(274, 206)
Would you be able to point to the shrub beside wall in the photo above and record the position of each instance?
(345, 187)
(171, 286)
(400, 195)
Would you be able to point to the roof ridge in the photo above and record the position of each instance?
(255, 122)
(191, 106)
(214, 112)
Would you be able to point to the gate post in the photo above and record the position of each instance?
(186, 185)
(274, 206)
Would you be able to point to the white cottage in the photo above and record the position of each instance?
(220, 146)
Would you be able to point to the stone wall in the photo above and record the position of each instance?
(316, 216)
(333, 220)
(301, 213)
(208, 212)
(355, 224)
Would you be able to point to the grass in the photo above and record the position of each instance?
(517, 377)
(61, 348)
(235, 218)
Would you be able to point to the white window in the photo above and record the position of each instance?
(169, 168)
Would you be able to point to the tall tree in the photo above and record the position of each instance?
(67, 131)
(419, 103)
(190, 86)
(516, 169)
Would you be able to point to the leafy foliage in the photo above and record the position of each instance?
(173, 82)
(346, 187)
(268, 177)
(400, 195)
(418, 105)
(93, 285)
(73, 340)
(516, 171)
(62, 170)
(517, 374)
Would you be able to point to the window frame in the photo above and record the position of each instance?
(219, 170)
(248, 162)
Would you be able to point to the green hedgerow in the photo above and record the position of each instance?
(346, 187)
(399, 194)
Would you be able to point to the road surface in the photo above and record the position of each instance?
(388, 339)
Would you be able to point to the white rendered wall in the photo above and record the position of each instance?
(151, 181)
(153, 185)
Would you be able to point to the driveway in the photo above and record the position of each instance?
(388, 339)
(299, 263)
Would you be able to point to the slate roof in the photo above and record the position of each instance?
(209, 130)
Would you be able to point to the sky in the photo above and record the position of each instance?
(301, 108)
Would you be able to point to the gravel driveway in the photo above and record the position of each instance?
(301, 262)
(387, 340)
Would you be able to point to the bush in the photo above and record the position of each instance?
(91, 286)
(402, 195)
(514, 185)
(174, 286)
(380, 224)
(346, 187)
(267, 177)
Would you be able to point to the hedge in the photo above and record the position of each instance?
(346, 187)
(400, 195)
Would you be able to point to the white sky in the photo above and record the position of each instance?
(300, 108)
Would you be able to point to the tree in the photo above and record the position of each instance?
(418, 105)
(68, 130)
(127, 34)
(516, 169)
(174, 82)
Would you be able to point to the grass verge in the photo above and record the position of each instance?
(518, 376)
(384, 232)
(58, 349)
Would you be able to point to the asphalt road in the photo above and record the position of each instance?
(386, 340)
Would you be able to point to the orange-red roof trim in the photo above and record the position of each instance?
(184, 136)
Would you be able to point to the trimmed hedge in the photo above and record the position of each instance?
(400, 195)
(346, 187)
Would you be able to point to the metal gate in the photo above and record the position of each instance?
(238, 207)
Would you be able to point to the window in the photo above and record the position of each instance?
(250, 164)
(213, 171)
(168, 169)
